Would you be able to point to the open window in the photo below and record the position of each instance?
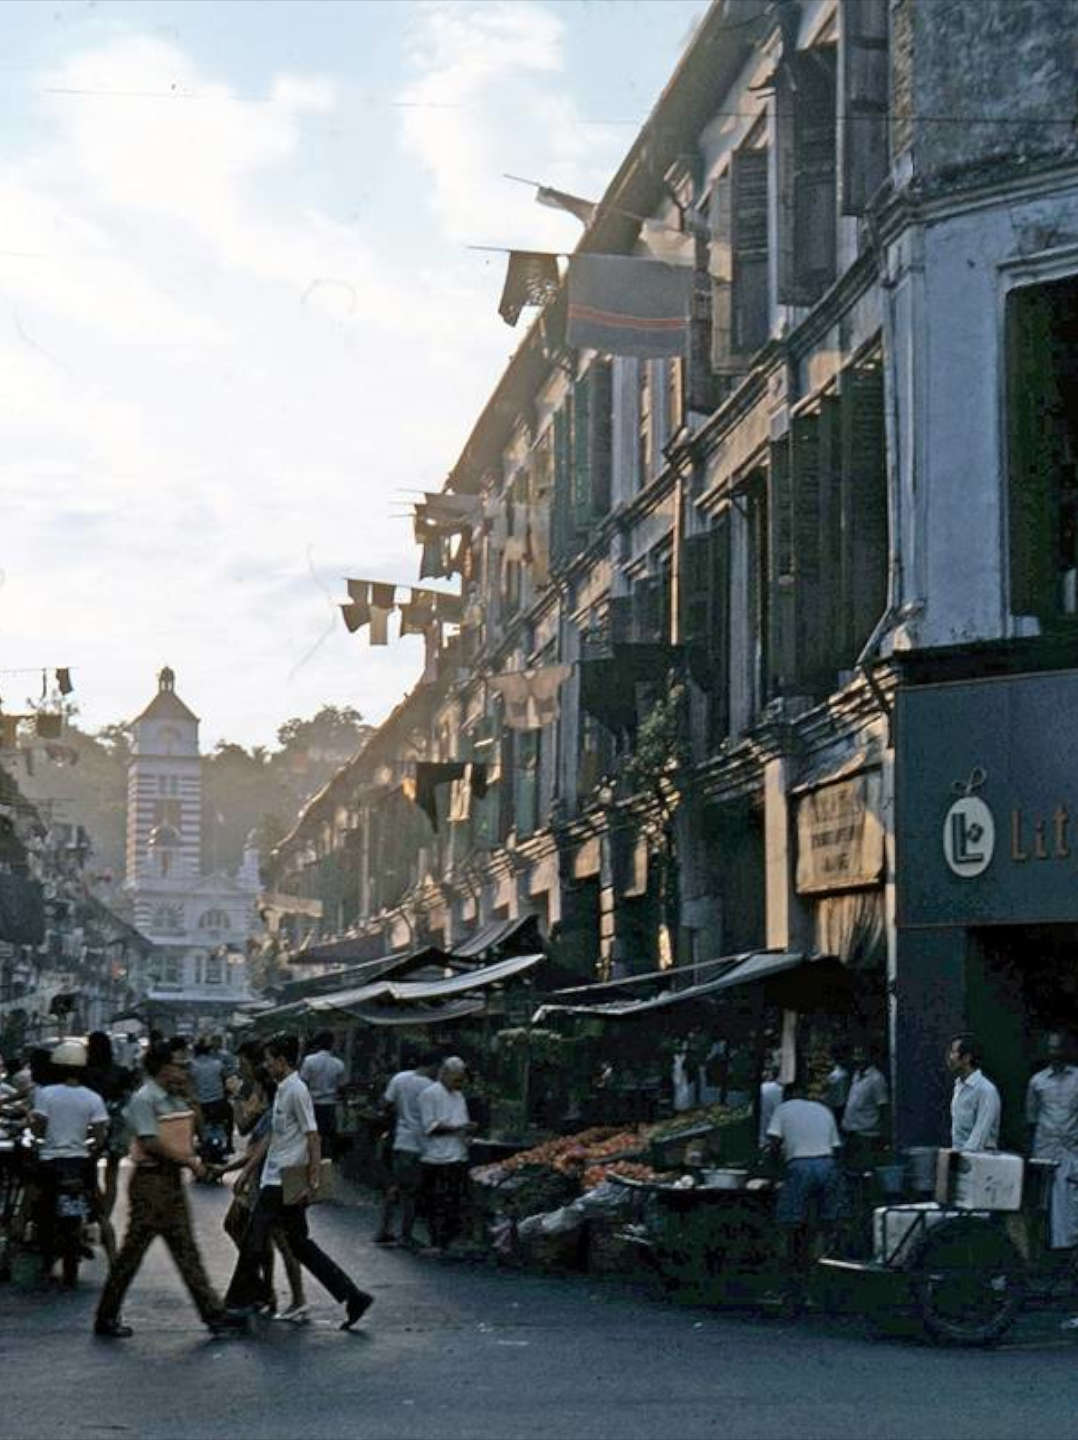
(864, 76)
(1042, 447)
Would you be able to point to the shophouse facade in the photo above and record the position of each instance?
(737, 567)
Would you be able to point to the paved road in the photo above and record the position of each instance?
(455, 1352)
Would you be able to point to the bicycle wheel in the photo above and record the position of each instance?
(970, 1282)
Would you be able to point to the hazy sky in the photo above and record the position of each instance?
(239, 322)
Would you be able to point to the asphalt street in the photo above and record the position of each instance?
(454, 1351)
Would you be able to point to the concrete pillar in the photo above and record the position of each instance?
(787, 920)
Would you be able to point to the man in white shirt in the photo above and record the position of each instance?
(1052, 1115)
(294, 1142)
(323, 1073)
(805, 1133)
(770, 1100)
(401, 1099)
(71, 1121)
(863, 1116)
(975, 1102)
(443, 1114)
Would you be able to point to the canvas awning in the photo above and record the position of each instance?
(419, 1014)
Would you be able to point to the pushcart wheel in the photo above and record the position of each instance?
(969, 1283)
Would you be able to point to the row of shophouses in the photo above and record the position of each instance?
(772, 644)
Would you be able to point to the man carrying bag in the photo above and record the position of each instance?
(294, 1142)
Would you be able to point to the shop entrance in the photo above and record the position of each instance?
(1021, 982)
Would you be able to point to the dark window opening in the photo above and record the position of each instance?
(1042, 436)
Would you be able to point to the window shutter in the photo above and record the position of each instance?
(701, 392)
(833, 618)
(721, 267)
(751, 318)
(1034, 403)
(694, 617)
(805, 126)
(582, 451)
(781, 613)
(864, 159)
(562, 526)
(602, 432)
(719, 630)
(811, 641)
(864, 448)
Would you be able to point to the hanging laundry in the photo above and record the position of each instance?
(9, 731)
(584, 210)
(383, 596)
(428, 776)
(359, 591)
(531, 696)
(380, 623)
(472, 785)
(449, 609)
(63, 682)
(417, 617)
(531, 278)
(435, 562)
(48, 725)
(355, 616)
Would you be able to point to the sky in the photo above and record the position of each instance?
(240, 324)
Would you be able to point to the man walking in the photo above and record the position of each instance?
(402, 1100)
(156, 1199)
(294, 1142)
(323, 1073)
(1052, 1114)
(975, 1102)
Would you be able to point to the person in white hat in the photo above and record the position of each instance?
(71, 1121)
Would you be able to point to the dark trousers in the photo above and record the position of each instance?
(443, 1200)
(325, 1117)
(247, 1286)
(50, 1176)
(158, 1206)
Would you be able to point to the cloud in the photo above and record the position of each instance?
(491, 99)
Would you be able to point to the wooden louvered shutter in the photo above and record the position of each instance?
(1035, 407)
(581, 462)
(811, 642)
(806, 137)
(721, 267)
(781, 613)
(694, 619)
(602, 429)
(864, 450)
(832, 619)
(863, 92)
(719, 632)
(562, 508)
(751, 317)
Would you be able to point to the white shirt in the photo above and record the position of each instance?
(864, 1104)
(403, 1093)
(1052, 1107)
(293, 1121)
(806, 1128)
(322, 1072)
(439, 1106)
(770, 1100)
(70, 1110)
(975, 1111)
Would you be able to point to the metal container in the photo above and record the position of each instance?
(725, 1179)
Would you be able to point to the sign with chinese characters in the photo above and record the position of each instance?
(840, 835)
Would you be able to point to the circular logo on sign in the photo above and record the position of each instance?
(969, 837)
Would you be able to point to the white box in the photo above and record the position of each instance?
(986, 1180)
(892, 1241)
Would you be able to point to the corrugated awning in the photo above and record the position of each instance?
(404, 991)
(418, 1014)
(489, 937)
(695, 974)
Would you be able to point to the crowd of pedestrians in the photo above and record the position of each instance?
(180, 1106)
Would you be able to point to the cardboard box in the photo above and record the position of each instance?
(294, 1183)
(987, 1180)
(897, 1230)
(175, 1135)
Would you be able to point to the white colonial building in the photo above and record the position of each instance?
(201, 923)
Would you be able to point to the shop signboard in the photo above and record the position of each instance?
(986, 779)
(840, 835)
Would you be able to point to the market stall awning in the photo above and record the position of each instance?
(418, 1014)
(495, 935)
(790, 979)
(673, 977)
(404, 991)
